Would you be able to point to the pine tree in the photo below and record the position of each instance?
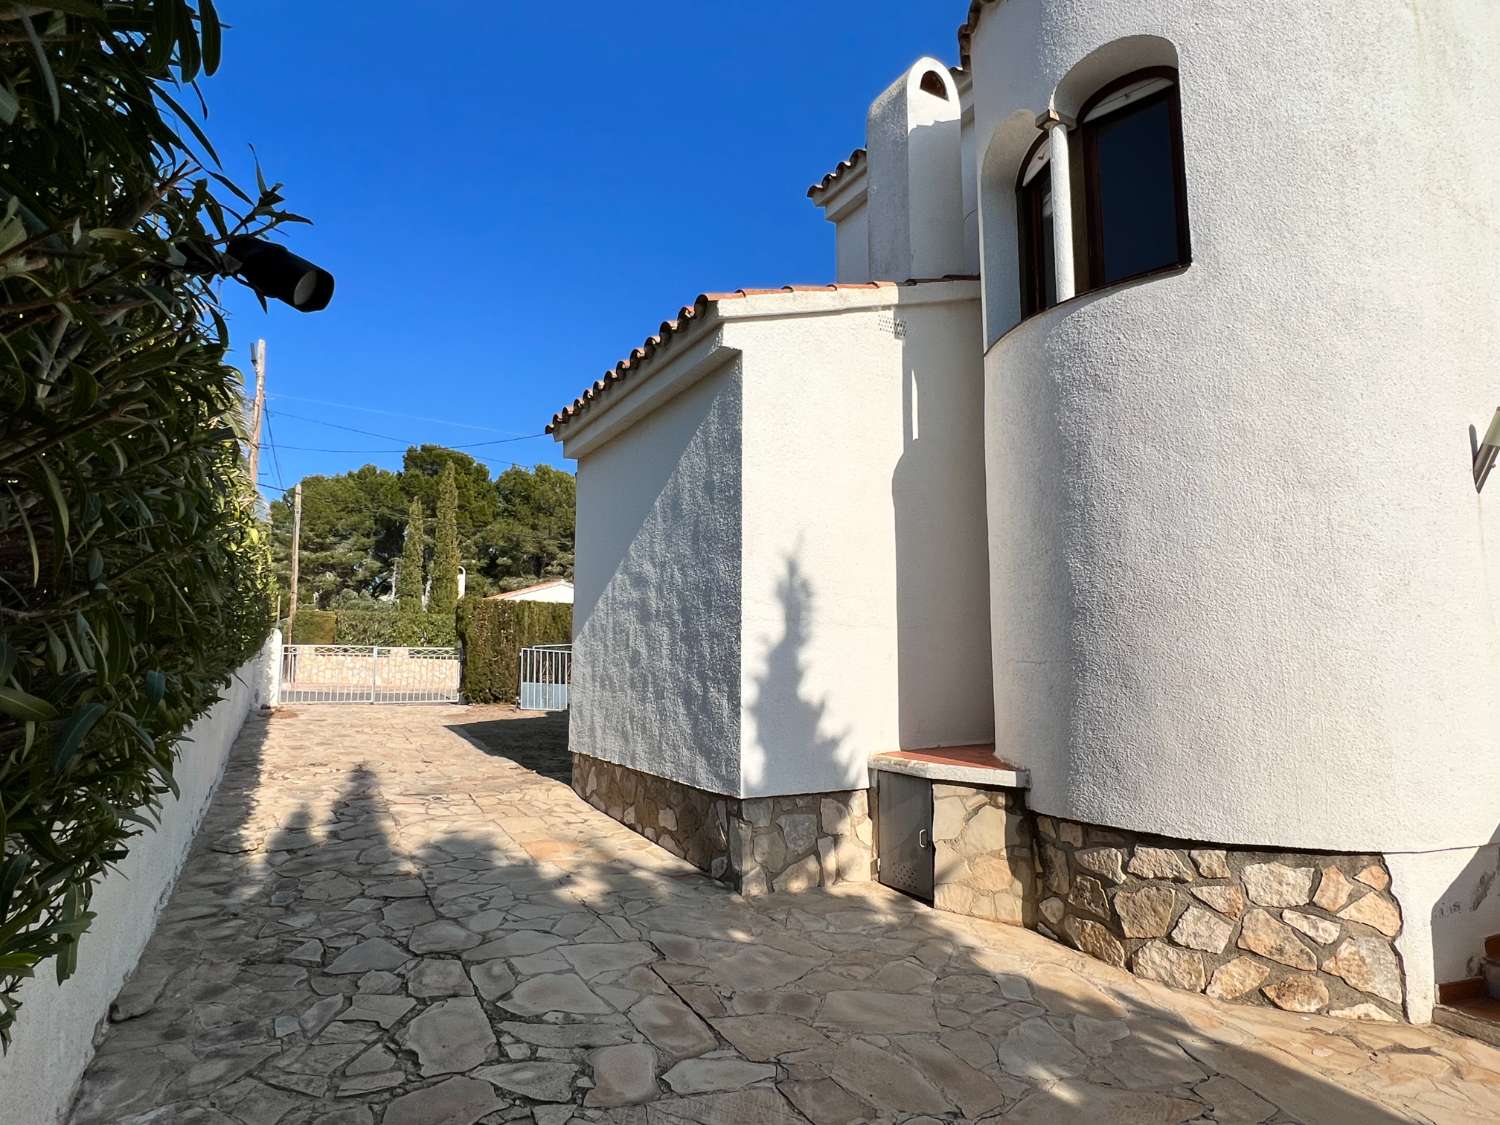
(444, 596)
(409, 580)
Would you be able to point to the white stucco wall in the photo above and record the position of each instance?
(1450, 902)
(54, 1031)
(852, 244)
(1242, 587)
(656, 640)
(865, 575)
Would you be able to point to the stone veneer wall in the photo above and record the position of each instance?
(983, 865)
(755, 844)
(1307, 932)
(796, 842)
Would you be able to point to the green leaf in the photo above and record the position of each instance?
(7, 666)
(156, 686)
(25, 706)
(72, 733)
(46, 68)
(208, 17)
(59, 501)
(8, 106)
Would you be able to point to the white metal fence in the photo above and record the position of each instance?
(368, 674)
(546, 672)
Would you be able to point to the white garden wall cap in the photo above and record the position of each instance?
(973, 765)
(855, 160)
(708, 304)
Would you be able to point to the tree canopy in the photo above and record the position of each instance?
(512, 530)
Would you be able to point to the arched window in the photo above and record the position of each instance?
(1128, 191)
(1034, 224)
(1134, 186)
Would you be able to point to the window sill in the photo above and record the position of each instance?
(1091, 295)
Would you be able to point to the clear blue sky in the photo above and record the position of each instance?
(513, 195)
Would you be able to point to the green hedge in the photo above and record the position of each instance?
(493, 633)
(312, 627)
(393, 627)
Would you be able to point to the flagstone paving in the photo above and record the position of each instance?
(384, 923)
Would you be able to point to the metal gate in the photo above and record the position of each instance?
(906, 853)
(546, 672)
(368, 674)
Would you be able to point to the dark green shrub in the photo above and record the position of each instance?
(313, 627)
(134, 578)
(394, 627)
(494, 632)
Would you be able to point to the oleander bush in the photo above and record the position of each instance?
(493, 632)
(134, 575)
(396, 627)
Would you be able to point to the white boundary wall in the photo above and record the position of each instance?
(54, 1032)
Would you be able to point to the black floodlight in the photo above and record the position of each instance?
(274, 271)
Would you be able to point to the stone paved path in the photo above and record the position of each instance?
(382, 922)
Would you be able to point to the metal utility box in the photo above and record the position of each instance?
(905, 826)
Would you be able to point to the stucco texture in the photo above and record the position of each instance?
(656, 612)
(1242, 587)
(865, 574)
(54, 1032)
(781, 556)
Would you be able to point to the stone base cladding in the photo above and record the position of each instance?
(755, 844)
(796, 842)
(982, 863)
(688, 822)
(1307, 932)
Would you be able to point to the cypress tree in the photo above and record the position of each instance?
(444, 596)
(409, 580)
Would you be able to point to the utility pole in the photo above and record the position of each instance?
(258, 409)
(296, 547)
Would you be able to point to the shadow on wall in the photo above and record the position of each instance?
(1467, 913)
(789, 723)
(478, 865)
(944, 668)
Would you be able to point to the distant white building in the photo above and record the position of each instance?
(553, 590)
(1119, 485)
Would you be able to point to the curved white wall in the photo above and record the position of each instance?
(1242, 588)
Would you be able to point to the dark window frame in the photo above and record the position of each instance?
(1030, 231)
(1088, 135)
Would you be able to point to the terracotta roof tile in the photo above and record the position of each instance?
(685, 316)
(855, 159)
(966, 32)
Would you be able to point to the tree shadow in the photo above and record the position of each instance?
(377, 916)
(789, 724)
(535, 741)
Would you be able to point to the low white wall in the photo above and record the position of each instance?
(54, 1031)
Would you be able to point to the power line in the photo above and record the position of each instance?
(392, 437)
(271, 441)
(392, 414)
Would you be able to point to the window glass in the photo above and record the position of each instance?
(1038, 261)
(1134, 184)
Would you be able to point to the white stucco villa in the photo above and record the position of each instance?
(1100, 551)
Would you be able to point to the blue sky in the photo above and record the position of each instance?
(513, 195)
